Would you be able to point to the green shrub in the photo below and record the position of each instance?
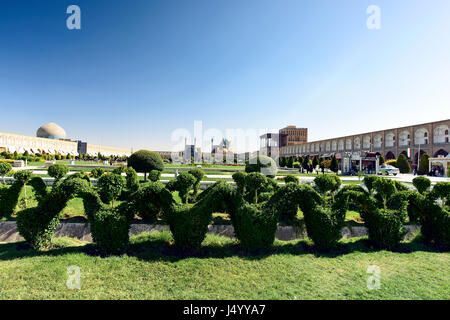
(286, 200)
(327, 183)
(132, 180)
(145, 161)
(154, 175)
(334, 165)
(262, 164)
(323, 219)
(433, 211)
(385, 225)
(189, 225)
(291, 178)
(255, 228)
(57, 171)
(5, 168)
(97, 172)
(183, 184)
(240, 180)
(109, 226)
(422, 184)
(423, 164)
(119, 170)
(149, 202)
(369, 181)
(110, 187)
(254, 181)
(198, 175)
(403, 164)
(37, 225)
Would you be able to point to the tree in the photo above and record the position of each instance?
(97, 172)
(334, 165)
(382, 160)
(305, 162)
(424, 164)
(403, 164)
(145, 161)
(110, 187)
(315, 162)
(57, 171)
(289, 162)
(5, 168)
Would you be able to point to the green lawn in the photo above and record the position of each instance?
(153, 268)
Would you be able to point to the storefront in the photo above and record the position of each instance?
(439, 166)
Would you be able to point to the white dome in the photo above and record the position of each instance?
(52, 131)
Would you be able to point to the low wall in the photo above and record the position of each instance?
(81, 231)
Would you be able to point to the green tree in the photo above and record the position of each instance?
(57, 171)
(382, 160)
(110, 187)
(145, 161)
(424, 164)
(5, 168)
(334, 165)
(315, 162)
(403, 164)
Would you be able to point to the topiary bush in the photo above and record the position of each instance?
(403, 164)
(57, 171)
(432, 211)
(383, 216)
(37, 225)
(291, 178)
(154, 175)
(132, 180)
(183, 184)
(119, 170)
(109, 226)
(110, 187)
(5, 168)
(324, 218)
(145, 161)
(254, 227)
(369, 181)
(189, 224)
(422, 184)
(198, 175)
(254, 181)
(150, 201)
(327, 183)
(97, 172)
(424, 164)
(240, 180)
(262, 164)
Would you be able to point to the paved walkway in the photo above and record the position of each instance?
(401, 177)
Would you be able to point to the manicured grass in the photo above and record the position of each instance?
(153, 268)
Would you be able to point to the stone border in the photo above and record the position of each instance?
(81, 231)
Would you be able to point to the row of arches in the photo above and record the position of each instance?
(404, 139)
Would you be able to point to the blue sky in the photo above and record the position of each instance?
(138, 70)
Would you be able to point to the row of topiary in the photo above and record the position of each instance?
(255, 206)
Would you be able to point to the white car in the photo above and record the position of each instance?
(388, 169)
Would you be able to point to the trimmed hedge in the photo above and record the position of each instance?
(145, 161)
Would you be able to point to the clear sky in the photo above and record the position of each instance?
(138, 70)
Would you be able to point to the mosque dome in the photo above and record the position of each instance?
(51, 131)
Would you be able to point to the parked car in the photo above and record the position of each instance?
(388, 169)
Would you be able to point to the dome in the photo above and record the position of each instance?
(51, 131)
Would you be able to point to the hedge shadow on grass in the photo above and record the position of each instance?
(159, 247)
